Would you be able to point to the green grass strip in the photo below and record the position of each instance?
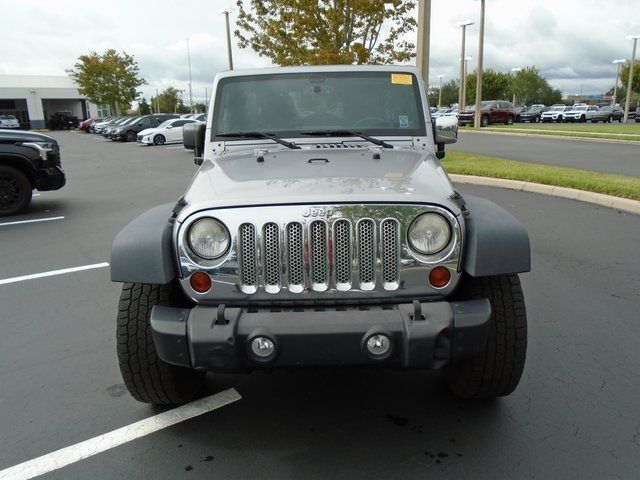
(629, 132)
(610, 184)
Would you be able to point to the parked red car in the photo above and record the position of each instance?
(493, 111)
(84, 125)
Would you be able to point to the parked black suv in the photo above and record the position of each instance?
(129, 132)
(533, 114)
(28, 161)
(62, 120)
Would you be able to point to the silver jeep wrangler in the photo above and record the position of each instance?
(320, 231)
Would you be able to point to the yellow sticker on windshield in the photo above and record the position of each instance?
(401, 79)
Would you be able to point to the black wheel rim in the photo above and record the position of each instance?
(9, 192)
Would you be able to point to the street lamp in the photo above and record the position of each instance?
(461, 99)
(618, 61)
(440, 92)
(627, 103)
(476, 122)
(464, 83)
(514, 71)
(190, 81)
(226, 13)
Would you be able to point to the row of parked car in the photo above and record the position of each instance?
(154, 129)
(500, 111)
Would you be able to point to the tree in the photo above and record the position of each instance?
(168, 100)
(319, 32)
(200, 107)
(110, 78)
(495, 86)
(449, 93)
(531, 87)
(145, 109)
(624, 79)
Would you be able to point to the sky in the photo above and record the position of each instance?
(573, 42)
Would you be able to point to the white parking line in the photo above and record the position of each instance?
(80, 451)
(35, 220)
(173, 148)
(35, 194)
(52, 273)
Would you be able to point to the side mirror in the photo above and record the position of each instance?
(193, 137)
(445, 131)
(169, 126)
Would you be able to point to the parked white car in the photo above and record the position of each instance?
(580, 113)
(9, 121)
(555, 113)
(167, 132)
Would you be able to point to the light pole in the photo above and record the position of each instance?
(157, 101)
(463, 26)
(477, 119)
(619, 61)
(514, 70)
(229, 54)
(464, 84)
(627, 103)
(190, 88)
(440, 92)
(424, 24)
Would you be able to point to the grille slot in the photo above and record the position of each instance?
(295, 260)
(247, 257)
(366, 254)
(319, 255)
(390, 251)
(271, 260)
(342, 253)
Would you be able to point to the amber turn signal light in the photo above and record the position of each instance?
(439, 277)
(200, 282)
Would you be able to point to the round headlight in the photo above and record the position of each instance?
(208, 238)
(429, 233)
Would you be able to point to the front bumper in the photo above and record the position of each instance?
(50, 178)
(465, 120)
(423, 335)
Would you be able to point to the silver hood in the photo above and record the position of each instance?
(319, 176)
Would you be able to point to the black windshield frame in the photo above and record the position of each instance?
(296, 133)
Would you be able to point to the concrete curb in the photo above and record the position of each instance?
(626, 204)
(557, 137)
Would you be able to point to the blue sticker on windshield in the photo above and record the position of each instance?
(404, 121)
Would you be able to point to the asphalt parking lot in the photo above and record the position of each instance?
(575, 414)
(605, 156)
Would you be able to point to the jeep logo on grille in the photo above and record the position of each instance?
(317, 212)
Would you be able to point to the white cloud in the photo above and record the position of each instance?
(572, 41)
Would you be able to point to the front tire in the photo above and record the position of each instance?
(130, 136)
(15, 191)
(484, 121)
(159, 140)
(498, 370)
(510, 120)
(148, 378)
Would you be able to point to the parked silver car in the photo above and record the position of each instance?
(321, 230)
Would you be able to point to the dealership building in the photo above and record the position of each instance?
(32, 99)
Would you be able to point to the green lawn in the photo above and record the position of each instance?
(614, 131)
(607, 183)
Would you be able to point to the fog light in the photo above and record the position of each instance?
(262, 347)
(439, 277)
(378, 345)
(200, 282)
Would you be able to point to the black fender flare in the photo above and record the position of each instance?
(143, 250)
(495, 242)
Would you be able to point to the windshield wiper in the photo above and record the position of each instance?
(338, 133)
(270, 136)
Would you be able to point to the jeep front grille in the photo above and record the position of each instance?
(319, 255)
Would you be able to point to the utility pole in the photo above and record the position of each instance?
(464, 84)
(627, 103)
(229, 54)
(619, 61)
(206, 100)
(461, 99)
(514, 71)
(424, 34)
(157, 101)
(440, 92)
(477, 119)
(190, 88)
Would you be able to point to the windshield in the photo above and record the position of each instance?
(165, 123)
(129, 121)
(580, 108)
(7, 117)
(376, 103)
(557, 109)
